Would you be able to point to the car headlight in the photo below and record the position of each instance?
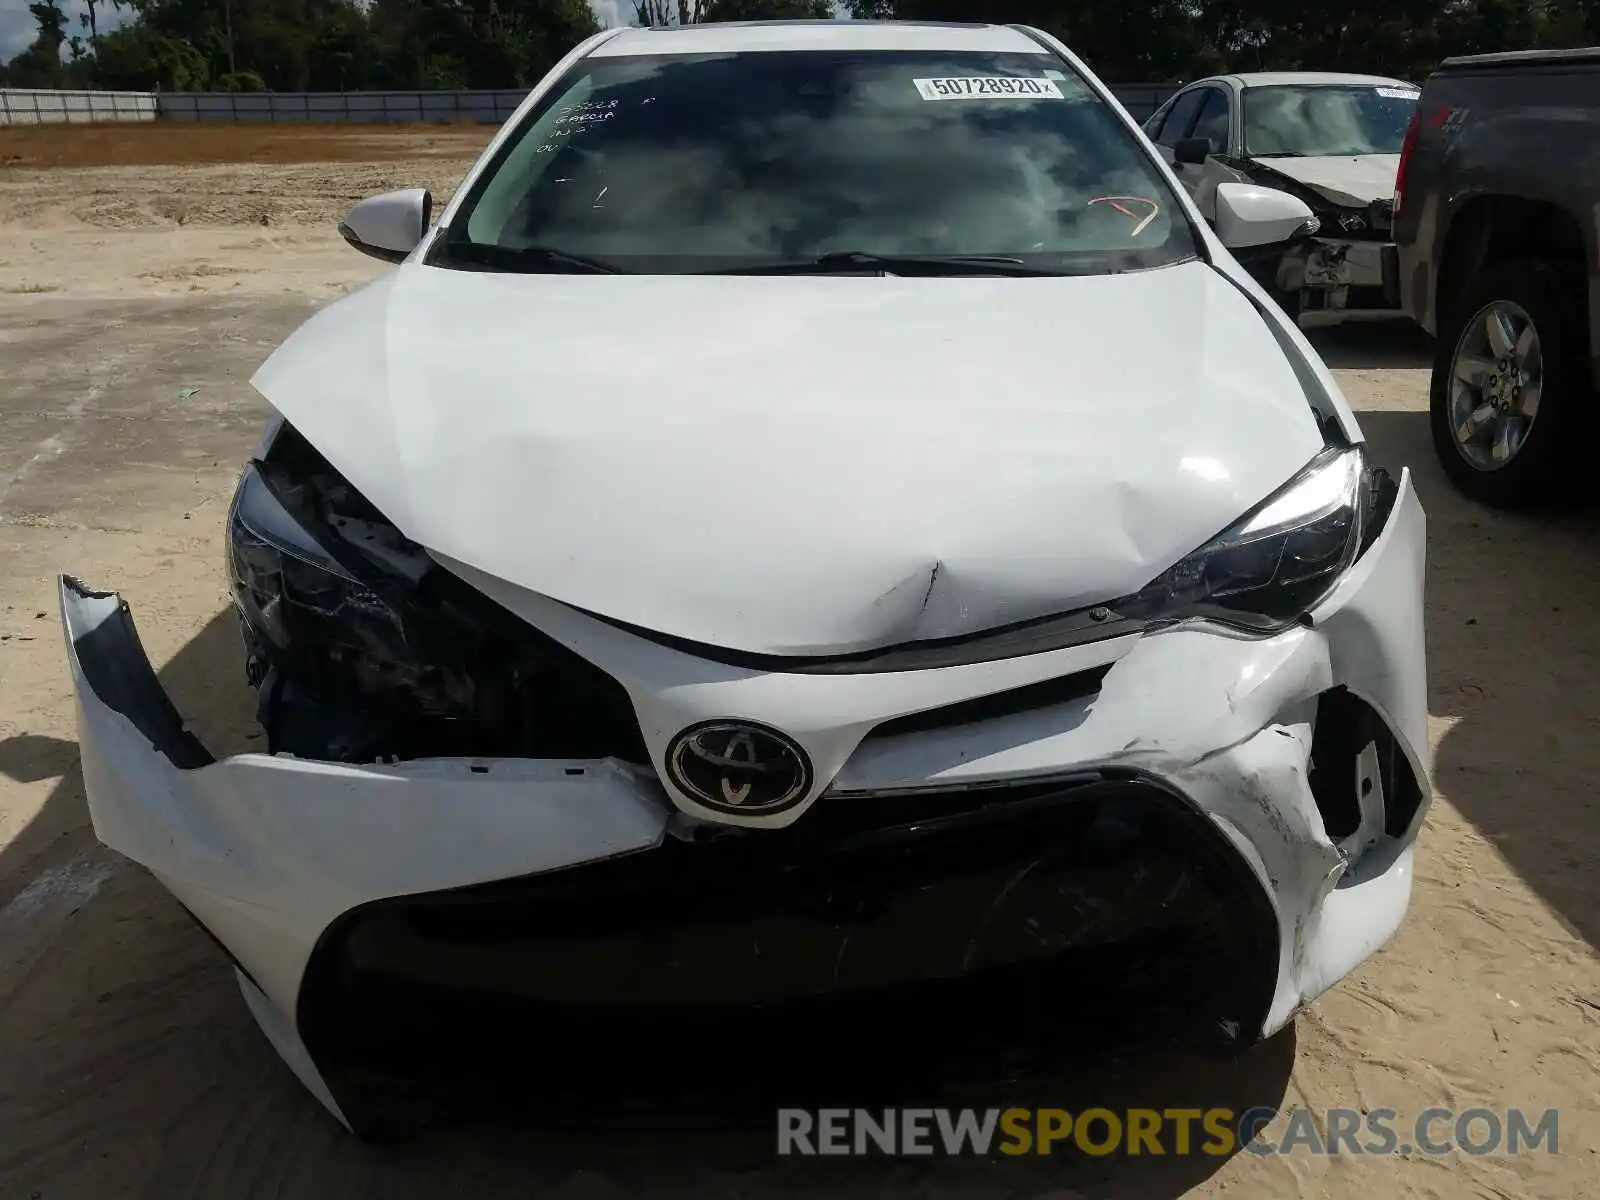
(363, 648)
(294, 589)
(1280, 559)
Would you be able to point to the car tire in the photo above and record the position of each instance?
(1542, 470)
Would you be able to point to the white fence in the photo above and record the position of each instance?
(23, 107)
(28, 106)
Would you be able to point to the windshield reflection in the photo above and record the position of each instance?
(716, 161)
(1325, 121)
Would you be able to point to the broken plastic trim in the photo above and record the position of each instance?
(1382, 492)
(118, 672)
(363, 649)
(1345, 727)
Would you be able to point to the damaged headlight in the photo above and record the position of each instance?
(291, 588)
(1280, 559)
(361, 647)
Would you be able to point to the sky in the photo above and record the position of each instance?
(610, 13)
(17, 28)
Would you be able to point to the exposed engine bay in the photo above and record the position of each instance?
(1348, 266)
(366, 650)
(1354, 222)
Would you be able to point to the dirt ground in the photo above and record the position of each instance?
(137, 296)
(160, 210)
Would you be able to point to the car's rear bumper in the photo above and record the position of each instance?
(1169, 829)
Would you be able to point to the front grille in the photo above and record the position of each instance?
(1064, 689)
(875, 937)
(1368, 224)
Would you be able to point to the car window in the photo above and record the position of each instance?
(1181, 117)
(1327, 119)
(1152, 126)
(1212, 123)
(686, 163)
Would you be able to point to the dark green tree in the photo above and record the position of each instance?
(333, 45)
(40, 65)
(698, 12)
(138, 58)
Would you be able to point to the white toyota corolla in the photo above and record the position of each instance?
(819, 513)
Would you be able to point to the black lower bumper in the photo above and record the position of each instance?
(915, 940)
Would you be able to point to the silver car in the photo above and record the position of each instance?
(1331, 139)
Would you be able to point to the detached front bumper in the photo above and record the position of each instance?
(1343, 279)
(1226, 818)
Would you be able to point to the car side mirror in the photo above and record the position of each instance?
(1248, 215)
(1192, 150)
(389, 227)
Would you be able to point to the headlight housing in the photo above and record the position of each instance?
(363, 648)
(292, 588)
(1283, 557)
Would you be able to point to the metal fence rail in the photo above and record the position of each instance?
(35, 106)
(341, 108)
(28, 107)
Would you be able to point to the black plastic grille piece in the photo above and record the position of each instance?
(878, 941)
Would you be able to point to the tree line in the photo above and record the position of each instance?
(352, 45)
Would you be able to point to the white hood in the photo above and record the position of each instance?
(1354, 180)
(802, 465)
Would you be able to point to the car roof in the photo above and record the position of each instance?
(1255, 79)
(744, 36)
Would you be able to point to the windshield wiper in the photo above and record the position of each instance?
(896, 264)
(527, 258)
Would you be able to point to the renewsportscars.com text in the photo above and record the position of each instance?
(960, 1132)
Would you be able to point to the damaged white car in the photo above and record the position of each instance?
(1331, 139)
(819, 514)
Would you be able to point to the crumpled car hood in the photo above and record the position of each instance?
(810, 465)
(1355, 180)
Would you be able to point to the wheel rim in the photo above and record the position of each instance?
(1496, 380)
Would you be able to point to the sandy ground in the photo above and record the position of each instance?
(141, 212)
(136, 299)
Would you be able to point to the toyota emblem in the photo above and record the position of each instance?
(739, 767)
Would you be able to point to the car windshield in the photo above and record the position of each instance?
(694, 163)
(1327, 120)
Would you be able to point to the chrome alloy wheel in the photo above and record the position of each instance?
(1496, 376)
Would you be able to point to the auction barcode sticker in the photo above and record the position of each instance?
(1398, 93)
(988, 87)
